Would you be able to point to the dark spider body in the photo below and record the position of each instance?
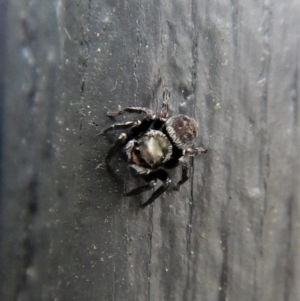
(155, 144)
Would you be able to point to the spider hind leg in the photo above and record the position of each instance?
(142, 188)
(151, 178)
(183, 161)
(184, 172)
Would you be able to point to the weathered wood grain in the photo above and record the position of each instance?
(232, 232)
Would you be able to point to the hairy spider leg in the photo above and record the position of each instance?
(120, 126)
(142, 188)
(183, 161)
(165, 104)
(174, 162)
(195, 151)
(141, 127)
(190, 152)
(139, 110)
(184, 172)
(144, 125)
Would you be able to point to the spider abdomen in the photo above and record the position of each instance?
(183, 130)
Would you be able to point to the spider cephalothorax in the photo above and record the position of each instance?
(155, 144)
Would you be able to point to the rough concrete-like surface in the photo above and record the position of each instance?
(232, 232)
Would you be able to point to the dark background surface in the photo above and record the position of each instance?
(231, 233)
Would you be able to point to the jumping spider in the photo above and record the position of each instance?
(154, 144)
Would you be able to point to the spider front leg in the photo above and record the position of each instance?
(120, 126)
(137, 127)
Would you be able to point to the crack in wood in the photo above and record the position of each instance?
(150, 253)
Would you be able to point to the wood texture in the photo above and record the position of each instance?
(232, 232)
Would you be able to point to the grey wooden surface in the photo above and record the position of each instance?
(232, 232)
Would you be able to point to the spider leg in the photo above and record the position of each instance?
(195, 151)
(164, 177)
(120, 126)
(117, 145)
(139, 110)
(165, 104)
(184, 163)
(141, 189)
(151, 178)
(137, 127)
(184, 172)
(142, 127)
